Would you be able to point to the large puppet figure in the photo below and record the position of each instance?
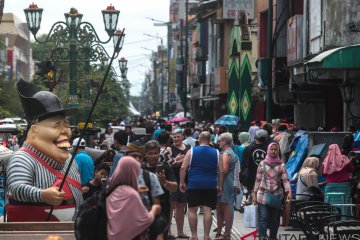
(35, 171)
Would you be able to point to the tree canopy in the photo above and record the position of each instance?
(112, 102)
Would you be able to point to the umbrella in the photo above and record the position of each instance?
(227, 120)
(178, 119)
(181, 114)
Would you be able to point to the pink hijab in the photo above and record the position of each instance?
(127, 216)
(334, 160)
(272, 160)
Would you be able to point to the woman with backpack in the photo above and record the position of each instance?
(308, 180)
(127, 216)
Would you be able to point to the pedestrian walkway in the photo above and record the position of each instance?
(238, 229)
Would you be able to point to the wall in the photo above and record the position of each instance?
(309, 115)
(337, 15)
(328, 28)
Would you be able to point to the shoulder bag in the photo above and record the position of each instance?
(272, 200)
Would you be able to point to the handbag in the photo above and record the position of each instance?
(272, 200)
(159, 225)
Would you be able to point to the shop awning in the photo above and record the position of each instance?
(338, 58)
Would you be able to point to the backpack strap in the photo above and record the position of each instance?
(146, 175)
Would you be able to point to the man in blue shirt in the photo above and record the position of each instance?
(84, 162)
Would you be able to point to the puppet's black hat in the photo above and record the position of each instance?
(40, 105)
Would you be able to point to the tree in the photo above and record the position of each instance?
(112, 102)
(9, 100)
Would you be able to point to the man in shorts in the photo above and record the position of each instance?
(203, 165)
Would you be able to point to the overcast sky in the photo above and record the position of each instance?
(133, 17)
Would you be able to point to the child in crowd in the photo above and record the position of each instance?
(94, 186)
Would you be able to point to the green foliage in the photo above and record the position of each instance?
(112, 102)
(9, 100)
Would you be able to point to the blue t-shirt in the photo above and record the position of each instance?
(86, 166)
(239, 151)
(116, 159)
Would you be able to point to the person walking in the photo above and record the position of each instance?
(178, 151)
(84, 162)
(127, 216)
(271, 178)
(205, 181)
(165, 176)
(223, 211)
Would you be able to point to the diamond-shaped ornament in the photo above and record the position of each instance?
(233, 104)
(245, 105)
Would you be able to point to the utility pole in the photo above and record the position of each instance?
(186, 57)
(169, 46)
(269, 98)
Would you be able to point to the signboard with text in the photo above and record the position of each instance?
(232, 7)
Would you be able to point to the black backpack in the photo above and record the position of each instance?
(91, 218)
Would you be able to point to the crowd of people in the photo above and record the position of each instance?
(170, 170)
(207, 168)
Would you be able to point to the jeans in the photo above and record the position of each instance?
(268, 217)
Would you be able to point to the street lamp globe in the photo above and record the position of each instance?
(110, 15)
(73, 15)
(118, 34)
(122, 64)
(33, 17)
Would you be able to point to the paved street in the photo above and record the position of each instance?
(238, 229)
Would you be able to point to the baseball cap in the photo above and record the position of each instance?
(82, 142)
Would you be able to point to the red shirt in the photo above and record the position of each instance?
(341, 176)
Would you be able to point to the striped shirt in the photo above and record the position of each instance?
(26, 176)
(274, 175)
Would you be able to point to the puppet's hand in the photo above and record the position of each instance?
(52, 196)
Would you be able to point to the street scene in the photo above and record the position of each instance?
(180, 119)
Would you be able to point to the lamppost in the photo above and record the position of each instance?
(77, 42)
(161, 73)
(123, 69)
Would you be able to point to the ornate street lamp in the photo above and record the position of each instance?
(110, 15)
(123, 64)
(33, 17)
(348, 94)
(77, 42)
(73, 17)
(118, 34)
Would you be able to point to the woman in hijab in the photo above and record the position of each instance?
(307, 178)
(127, 216)
(244, 139)
(337, 168)
(270, 173)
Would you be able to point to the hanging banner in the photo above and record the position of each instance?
(239, 91)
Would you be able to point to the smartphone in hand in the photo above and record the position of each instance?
(159, 168)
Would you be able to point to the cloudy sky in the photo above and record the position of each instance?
(134, 17)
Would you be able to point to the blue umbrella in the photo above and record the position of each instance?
(227, 120)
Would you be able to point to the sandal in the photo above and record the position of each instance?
(171, 236)
(218, 237)
(182, 237)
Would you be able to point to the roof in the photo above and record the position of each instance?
(338, 58)
(133, 110)
(12, 27)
